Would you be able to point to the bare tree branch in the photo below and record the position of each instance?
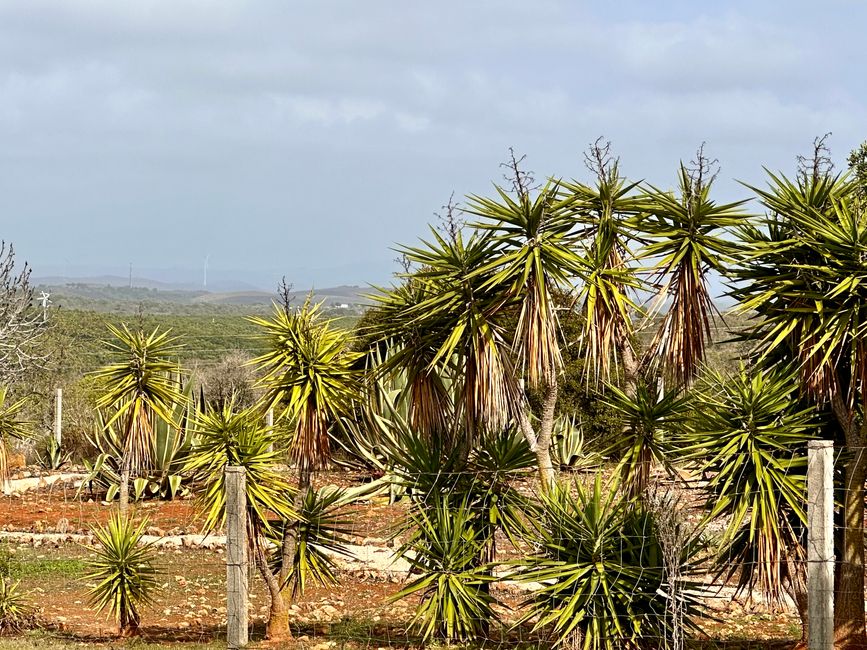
(819, 163)
(21, 322)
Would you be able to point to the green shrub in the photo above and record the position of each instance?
(444, 549)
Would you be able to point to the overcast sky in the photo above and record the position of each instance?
(307, 138)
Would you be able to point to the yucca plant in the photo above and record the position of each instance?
(226, 436)
(750, 436)
(11, 426)
(322, 531)
(650, 421)
(600, 568)
(444, 548)
(124, 572)
(138, 386)
(16, 610)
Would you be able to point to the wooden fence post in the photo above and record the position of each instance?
(236, 557)
(820, 544)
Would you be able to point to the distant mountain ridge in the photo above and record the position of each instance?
(107, 293)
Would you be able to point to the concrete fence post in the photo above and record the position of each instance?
(236, 557)
(58, 416)
(820, 544)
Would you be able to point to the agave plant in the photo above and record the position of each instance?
(444, 548)
(750, 437)
(124, 572)
(11, 426)
(16, 611)
(599, 564)
(52, 456)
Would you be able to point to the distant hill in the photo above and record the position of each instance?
(111, 294)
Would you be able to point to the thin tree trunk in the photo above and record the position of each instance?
(630, 365)
(547, 475)
(849, 623)
(123, 504)
(287, 549)
(278, 618)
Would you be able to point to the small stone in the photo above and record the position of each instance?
(184, 625)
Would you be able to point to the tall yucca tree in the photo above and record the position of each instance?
(310, 379)
(308, 376)
(535, 255)
(609, 282)
(684, 231)
(804, 274)
(140, 383)
(228, 436)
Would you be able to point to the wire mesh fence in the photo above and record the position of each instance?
(670, 568)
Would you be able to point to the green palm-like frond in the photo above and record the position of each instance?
(308, 376)
(686, 235)
(11, 426)
(598, 561)
(804, 272)
(139, 384)
(224, 437)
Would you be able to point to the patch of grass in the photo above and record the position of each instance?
(46, 567)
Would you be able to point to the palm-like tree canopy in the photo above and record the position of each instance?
(141, 381)
(684, 231)
(309, 377)
(227, 436)
(804, 272)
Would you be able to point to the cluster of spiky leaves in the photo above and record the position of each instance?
(321, 531)
(229, 437)
(139, 384)
(169, 445)
(599, 564)
(16, 610)
(683, 230)
(445, 549)
(461, 499)
(750, 437)
(804, 273)
(11, 426)
(123, 570)
(650, 421)
(308, 375)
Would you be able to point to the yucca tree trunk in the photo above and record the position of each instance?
(277, 627)
(547, 474)
(849, 623)
(290, 533)
(123, 503)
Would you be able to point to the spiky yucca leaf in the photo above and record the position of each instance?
(650, 421)
(686, 234)
(139, 384)
(224, 437)
(599, 563)
(123, 570)
(16, 610)
(322, 531)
